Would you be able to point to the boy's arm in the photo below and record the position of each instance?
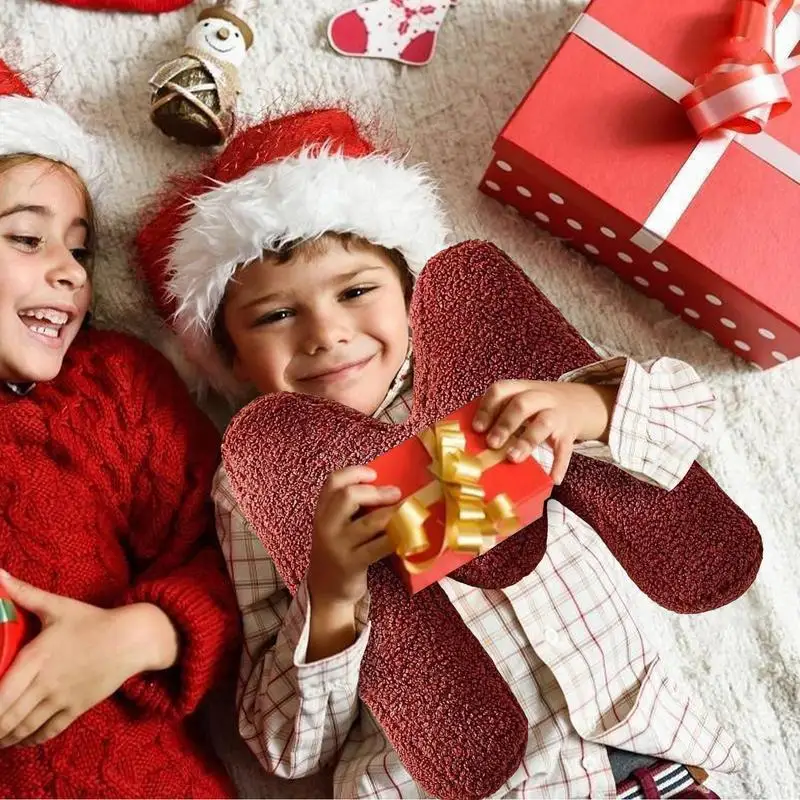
(662, 418)
(294, 716)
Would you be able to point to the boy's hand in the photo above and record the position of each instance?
(343, 548)
(544, 411)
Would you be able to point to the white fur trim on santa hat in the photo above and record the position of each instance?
(35, 127)
(377, 197)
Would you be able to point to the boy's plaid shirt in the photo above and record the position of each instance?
(563, 638)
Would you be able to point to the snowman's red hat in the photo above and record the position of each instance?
(291, 179)
(29, 126)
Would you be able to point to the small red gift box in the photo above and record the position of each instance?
(460, 498)
(631, 145)
(15, 630)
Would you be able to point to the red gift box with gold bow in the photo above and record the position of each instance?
(663, 139)
(460, 498)
(15, 630)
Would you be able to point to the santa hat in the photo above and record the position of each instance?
(138, 6)
(29, 126)
(290, 179)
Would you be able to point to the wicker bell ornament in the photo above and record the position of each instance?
(194, 95)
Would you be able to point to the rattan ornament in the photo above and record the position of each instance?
(194, 96)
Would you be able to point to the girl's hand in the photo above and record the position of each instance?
(82, 655)
(544, 411)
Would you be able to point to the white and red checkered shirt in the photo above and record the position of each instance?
(562, 638)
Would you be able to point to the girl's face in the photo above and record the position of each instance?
(44, 286)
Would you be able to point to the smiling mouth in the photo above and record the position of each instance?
(339, 373)
(47, 324)
(218, 49)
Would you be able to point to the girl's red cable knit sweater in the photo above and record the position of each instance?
(105, 475)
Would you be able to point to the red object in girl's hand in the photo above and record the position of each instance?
(16, 629)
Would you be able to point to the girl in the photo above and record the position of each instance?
(104, 521)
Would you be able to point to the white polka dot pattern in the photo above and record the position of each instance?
(609, 233)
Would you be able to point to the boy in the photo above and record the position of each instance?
(293, 273)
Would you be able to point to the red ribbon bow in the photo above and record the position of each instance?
(746, 89)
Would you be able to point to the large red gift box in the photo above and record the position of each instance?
(15, 631)
(601, 152)
(473, 498)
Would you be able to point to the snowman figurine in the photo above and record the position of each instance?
(194, 96)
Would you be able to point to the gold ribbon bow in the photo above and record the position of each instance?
(471, 524)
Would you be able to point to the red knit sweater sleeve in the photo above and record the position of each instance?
(175, 560)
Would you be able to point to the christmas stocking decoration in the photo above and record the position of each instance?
(400, 30)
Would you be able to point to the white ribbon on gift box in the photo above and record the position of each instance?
(710, 149)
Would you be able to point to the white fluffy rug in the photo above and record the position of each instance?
(744, 659)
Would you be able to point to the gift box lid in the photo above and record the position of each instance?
(609, 135)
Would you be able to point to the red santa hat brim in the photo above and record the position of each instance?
(283, 181)
(299, 199)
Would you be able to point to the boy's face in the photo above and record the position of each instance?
(44, 288)
(331, 322)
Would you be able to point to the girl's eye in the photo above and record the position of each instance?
(81, 255)
(357, 291)
(273, 317)
(29, 243)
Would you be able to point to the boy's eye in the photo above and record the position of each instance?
(29, 243)
(273, 317)
(357, 291)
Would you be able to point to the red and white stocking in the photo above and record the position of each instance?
(400, 30)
